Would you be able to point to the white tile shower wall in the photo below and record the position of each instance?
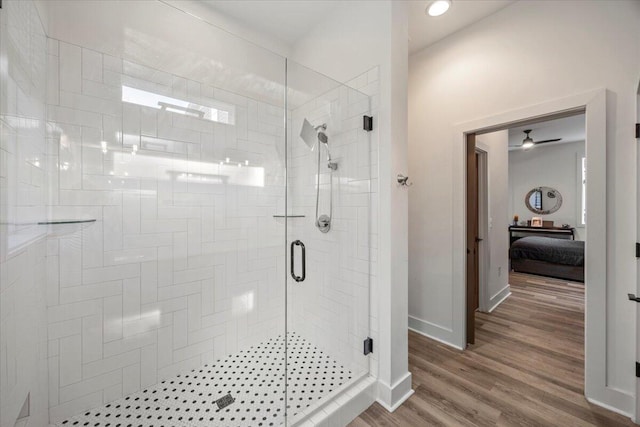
(23, 201)
(332, 307)
(185, 263)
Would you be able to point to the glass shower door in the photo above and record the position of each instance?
(328, 231)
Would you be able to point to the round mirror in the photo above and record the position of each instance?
(543, 200)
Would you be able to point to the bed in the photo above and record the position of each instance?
(546, 256)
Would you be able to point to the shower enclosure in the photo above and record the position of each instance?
(161, 258)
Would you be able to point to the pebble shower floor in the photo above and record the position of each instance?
(254, 378)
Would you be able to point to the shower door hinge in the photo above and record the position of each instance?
(637, 250)
(637, 369)
(367, 123)
(637, 130)
(368, 346)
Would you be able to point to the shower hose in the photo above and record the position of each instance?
(318, 191)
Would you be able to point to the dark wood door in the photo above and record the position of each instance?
(476, 287)
(472, 300)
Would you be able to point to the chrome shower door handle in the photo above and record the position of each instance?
(304, 261)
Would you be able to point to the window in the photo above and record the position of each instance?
(536, 199)
(221, 113)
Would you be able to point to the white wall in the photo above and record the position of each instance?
(358, 37)
(557, 166)
(208, 13)
(345, 45)
(495, 144)
(493, 67)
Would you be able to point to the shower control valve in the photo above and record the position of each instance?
(324, 223)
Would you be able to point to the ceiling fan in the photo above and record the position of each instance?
(528, 142)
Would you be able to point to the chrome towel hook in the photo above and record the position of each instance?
(403, 180)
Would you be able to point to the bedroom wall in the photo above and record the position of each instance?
(497, 239)
(494, 66)
(557, 166)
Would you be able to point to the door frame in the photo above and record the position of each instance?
(472, 259)
(594, 105)
(484, 255)
(480, 288)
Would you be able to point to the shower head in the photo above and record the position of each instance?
(322, 137)
(310, 134)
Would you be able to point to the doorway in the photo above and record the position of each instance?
(501, 172)
(541, 326)
(594, 104)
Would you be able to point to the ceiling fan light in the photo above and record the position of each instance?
(438, 7)
(527, 143)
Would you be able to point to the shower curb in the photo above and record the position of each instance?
(341, 409)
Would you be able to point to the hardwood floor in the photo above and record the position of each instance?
(526, 368)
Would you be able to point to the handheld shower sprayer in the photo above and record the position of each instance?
(316, 136)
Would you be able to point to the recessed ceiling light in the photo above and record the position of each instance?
(438, 7)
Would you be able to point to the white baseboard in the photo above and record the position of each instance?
(610, 408)
(433, 331)
(391, 397)
(499, 297)
(397, 404)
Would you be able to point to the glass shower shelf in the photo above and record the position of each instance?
(288, 216)
(62, 227)
(66, 221)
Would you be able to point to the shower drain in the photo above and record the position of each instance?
(225, 401)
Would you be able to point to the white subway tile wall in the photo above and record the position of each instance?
(23, 202)
(185, 263)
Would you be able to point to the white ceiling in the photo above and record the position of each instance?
(570, 129)
(286, 20)
(425, 30)
(289, 20)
